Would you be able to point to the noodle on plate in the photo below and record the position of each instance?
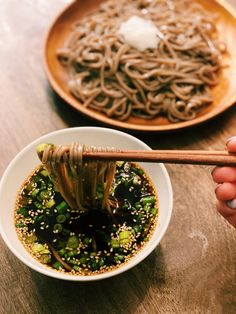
(174, 79)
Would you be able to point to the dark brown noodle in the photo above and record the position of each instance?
(174, 80)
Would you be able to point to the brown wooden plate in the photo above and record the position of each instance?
(224, 94)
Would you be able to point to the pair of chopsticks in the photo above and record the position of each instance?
(194, 157)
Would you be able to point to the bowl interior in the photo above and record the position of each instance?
(26, 161)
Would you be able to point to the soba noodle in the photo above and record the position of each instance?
(174, 80)
(76, 180)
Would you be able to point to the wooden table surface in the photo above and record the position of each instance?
(193, 270)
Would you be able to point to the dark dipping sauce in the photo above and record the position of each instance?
(94, 241)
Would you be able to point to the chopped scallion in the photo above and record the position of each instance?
(50, 203)
(148, 199)
(61, 218)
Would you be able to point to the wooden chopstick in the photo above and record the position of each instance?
(194, 157)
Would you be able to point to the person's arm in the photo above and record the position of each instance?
(226, 188)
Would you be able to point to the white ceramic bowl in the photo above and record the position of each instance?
(26, 161)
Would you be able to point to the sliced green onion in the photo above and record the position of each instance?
(138, 205)
(137, 229)
(76, 267)
(73, 242)
(23, 211)
(94, 265)
(124, 235)
(41, 147)
(43, 186)
(62, 207)
(119, 257)
(50, 203)
(148, 199)
(72, 253)
(115, 243)
(139, 171)
(20, 225)
(62, 252)
(45, 251)
(57, 228)
(30, 239)
(99, 195)
(67, 216)
(44, 173)
(37, 248)
(57, 265)
(61, 218)
(38, 205)
(153, 210)
(83, 260)
(38, 218)
(120, 163)
(35, 192)
(45, 258)
(147, 207)
(122, 180)
(36, 178)
(30, 186)
(100, 191)
(125, 206)
(73, 262)
(101, 262)
(44, 194)
(124, 241)
(86, 240)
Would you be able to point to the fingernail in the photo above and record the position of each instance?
(233, 138)
(232, 203)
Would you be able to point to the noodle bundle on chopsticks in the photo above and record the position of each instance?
(172, 80)
(78, 181)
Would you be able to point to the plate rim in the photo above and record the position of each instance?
(94, 115)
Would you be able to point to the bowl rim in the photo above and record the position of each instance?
(81, 278)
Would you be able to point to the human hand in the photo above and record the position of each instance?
(226, 188)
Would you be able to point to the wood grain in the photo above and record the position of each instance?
(192, 271)
(224, 93)
(189, 157)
